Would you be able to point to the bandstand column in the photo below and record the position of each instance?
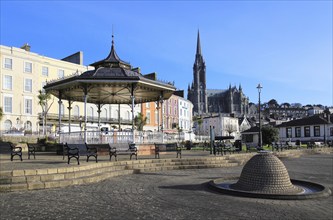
(133, 103)
(59, 114)
(99, 106)
(69, 115)
(158, 114)
(85, 114)
(162, 124)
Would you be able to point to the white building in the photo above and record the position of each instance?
(222, 126)
(314, 128)
(23, 73)
(185, 108)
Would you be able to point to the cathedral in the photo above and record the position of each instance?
(231, 100)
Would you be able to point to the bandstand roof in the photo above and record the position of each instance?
(113, 81)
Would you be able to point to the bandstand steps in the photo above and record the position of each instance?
(18, 180)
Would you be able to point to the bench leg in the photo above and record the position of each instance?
(115, 156)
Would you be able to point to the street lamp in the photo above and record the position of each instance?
(259, 87)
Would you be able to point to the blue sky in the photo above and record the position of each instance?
(284, 45)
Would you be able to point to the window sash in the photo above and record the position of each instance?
(28, 67)
(288, 133)
(8, 82)
(8, 104)
(316, 130)
(298, 132)
(8, 63)
(45, 71)
(28, 85)
(148, 117)
(61, 73)
(28, 106)
(306, 131)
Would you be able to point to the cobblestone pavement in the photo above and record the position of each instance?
(177, 194)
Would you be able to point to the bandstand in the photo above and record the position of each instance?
(113, 81)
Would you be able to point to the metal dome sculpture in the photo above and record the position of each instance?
(265, 176)
(265, 173)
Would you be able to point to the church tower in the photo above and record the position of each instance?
(197, 93)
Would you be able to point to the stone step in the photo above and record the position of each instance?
(17, 180)
(62, 182)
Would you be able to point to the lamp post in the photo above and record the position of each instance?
(259, 87)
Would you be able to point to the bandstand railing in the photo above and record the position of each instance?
(99, 137)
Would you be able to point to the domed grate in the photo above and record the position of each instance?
(265, 173)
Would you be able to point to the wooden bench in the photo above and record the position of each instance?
(278, 146)
(15, 151)
(251, 147)
(77, 150)
(123, 149)
(32, 150)
(292, 145)
(167, 147)
(221, 148)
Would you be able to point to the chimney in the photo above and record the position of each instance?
(26, 47)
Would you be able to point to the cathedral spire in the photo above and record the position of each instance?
(198, 44)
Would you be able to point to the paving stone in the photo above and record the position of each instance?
(171, 194)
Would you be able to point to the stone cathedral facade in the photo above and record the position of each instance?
(231, 100)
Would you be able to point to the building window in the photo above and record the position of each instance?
(156, 117)
(297, 132)
(147, 105)
(307, 131)
(128, 115)
(331, 131)
(8, 63)
(76, 112)
(28, 126)
(8, 82)
(62, 110)
(43, 84)
(148, 117)
(27, 67)
(61, 73)
(105, 113)
(316, 130)
(7, 103)
(45, 71)
(8, 125)
(288, 134)
(28, 85)
(28, 106)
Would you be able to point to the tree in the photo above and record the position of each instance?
(269, 134)
(229, 128)
(272, 103)
(1, 113)
(285, 105)
(140, 121)
(199, 122)
(43, 101)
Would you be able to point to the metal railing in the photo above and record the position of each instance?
(99, 137)
(104, 137)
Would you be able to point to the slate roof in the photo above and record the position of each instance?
(252, 130)
(313, 120)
